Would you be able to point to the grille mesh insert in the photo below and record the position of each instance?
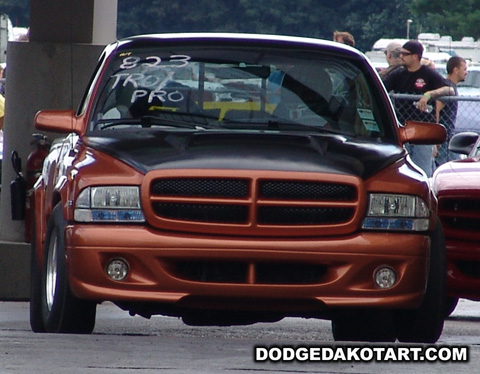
(303, 215)
(203, 212)
(302, 190)
(202, 187)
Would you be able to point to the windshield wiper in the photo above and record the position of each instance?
(102, 124)
(275, 124)
(285, 125)
(167, 118)
(154, 120)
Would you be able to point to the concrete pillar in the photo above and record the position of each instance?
(75, 21)
(48, 72)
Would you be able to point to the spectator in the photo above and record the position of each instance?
(416, 79)
(428, 63)
(392, 55)
(2, 111)
(447, 109)
(3, 75)
(344, 37)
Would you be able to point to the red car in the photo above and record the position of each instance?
(456, 184)
(231, 178)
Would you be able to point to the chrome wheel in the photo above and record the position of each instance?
(61, 311)
(51, 272)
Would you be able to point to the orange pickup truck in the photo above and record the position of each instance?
(237, 178)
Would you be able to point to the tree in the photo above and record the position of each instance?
(459, 18)
(367, 20)
(370, 20)
(17, 10)
(303, 17)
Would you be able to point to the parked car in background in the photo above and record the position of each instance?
(379, 65)
(232, 178)
(471, 85)
(441, 69)
(456, 186)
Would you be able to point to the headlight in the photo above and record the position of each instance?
(396, 212)
(109, 204)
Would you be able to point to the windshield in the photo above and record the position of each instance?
(239, 88)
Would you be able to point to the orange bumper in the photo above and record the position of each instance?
(169, 268)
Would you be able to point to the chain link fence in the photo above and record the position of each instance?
(466, 118)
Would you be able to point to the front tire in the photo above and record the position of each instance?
(425, 324)
(36, 319)
(450, 306)
(62, 312)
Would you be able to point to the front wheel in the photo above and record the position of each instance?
(36, 319)
(425, 324)
(450, 305)
(62, 312)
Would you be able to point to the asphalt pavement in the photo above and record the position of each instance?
(124, 344)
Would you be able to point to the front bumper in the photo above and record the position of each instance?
(175, 269)
(463, 269)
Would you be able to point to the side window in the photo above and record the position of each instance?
(356, 105)
(366, 109)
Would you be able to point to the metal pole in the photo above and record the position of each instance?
(409, 21)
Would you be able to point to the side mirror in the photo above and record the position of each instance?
(416, 132)
(60, 121)
(463, 142)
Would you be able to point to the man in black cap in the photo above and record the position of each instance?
(417, 79)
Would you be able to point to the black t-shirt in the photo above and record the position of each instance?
(415, 83)
(448, 115)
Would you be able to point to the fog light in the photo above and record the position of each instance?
(117, 269)
(385, 277)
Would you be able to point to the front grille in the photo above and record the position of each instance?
(469, 268)
(464, 224)
(244, 273)
(460, 204)
(257, 203)
(460, 214)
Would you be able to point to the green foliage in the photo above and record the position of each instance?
(456, 18)
(303, 17)
(17, 10)
(367, 20)
(370, 20)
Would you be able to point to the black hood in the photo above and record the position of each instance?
(147, 150)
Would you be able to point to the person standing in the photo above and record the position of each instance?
(392, 55)
(2, 111)
(416, 79)
(447, 109)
